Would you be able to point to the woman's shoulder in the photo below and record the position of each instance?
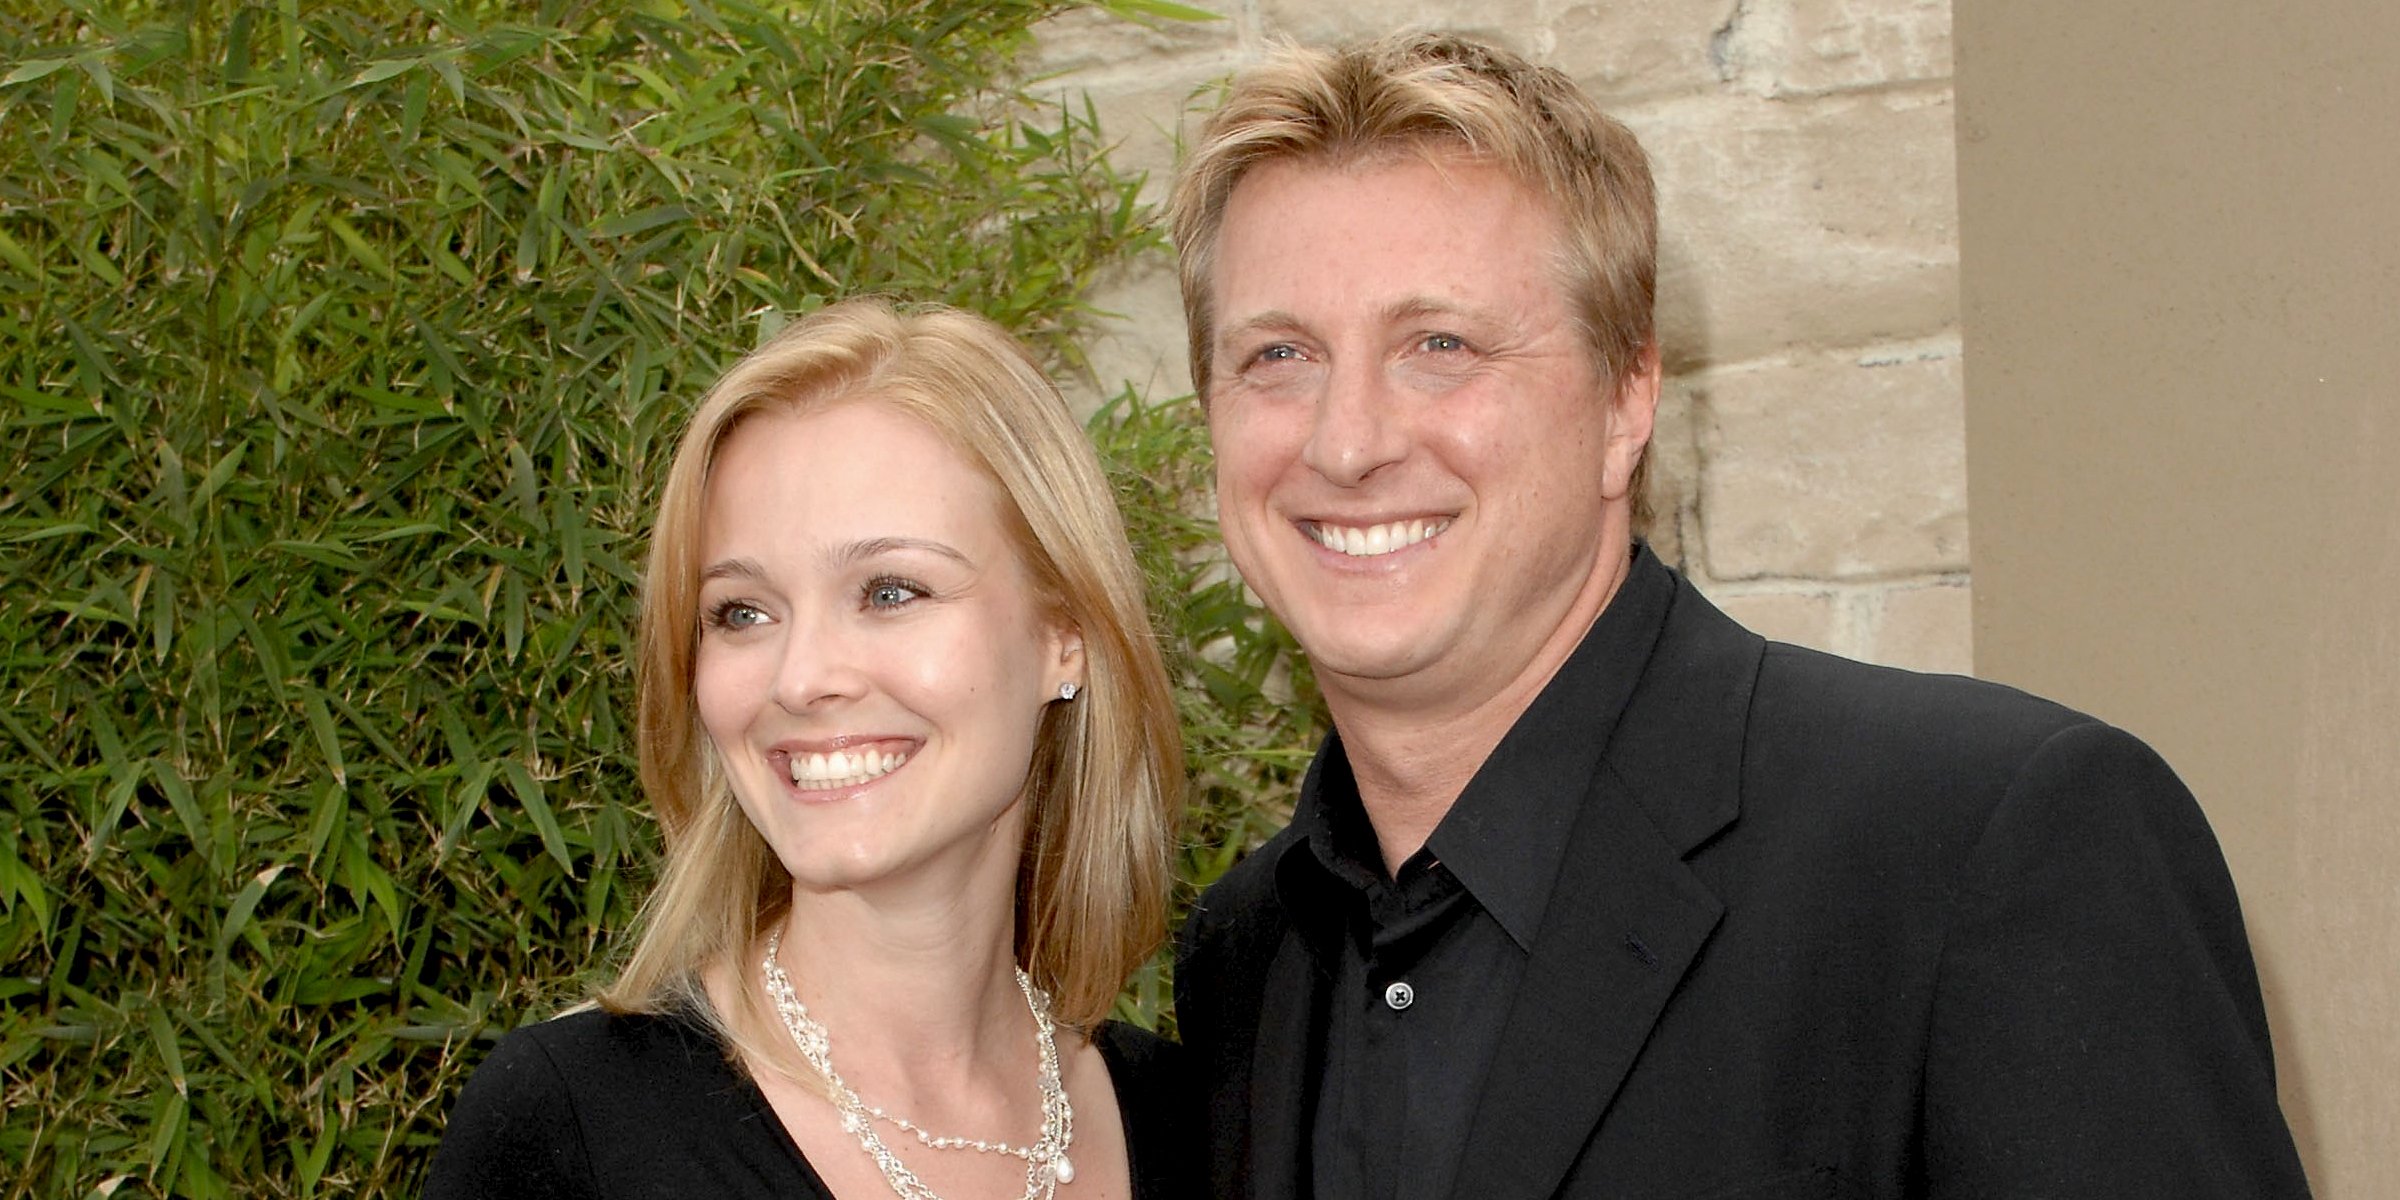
(595, 1047)
(593, 1095)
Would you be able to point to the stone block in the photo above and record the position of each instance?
(1618, 50)
(1140, 340)
(1802, 47)
(1516, 24)
(1835, 468)
(1674, 470)
(1090, 41)
(1825, 222)
(1811, 619)
(1926, 628)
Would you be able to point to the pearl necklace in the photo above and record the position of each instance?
(1046, 1163)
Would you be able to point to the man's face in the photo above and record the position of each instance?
(1419, 466)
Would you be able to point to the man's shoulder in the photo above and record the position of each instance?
(1240, 915)
(1247, 888)
(1837, 702)
(1855, 745)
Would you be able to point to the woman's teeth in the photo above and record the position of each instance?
(811, 772)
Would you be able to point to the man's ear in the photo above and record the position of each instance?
(1633, 410)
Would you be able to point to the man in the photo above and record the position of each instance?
(1593, 892)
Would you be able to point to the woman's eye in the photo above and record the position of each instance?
(734, 614)
(892, 593)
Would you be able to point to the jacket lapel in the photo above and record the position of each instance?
(1626, 917)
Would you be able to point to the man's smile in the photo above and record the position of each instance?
(1368, 541)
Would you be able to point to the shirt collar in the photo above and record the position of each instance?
(1506, 835)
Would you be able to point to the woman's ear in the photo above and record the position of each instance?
(1067, 674)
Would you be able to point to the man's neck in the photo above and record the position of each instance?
(1412, 759)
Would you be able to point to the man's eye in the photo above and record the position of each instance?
(1280, 352)
(1444, 343)
(892, 593)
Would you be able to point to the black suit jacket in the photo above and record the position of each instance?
(1823, 929)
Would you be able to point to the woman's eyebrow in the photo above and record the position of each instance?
(733, 568)
(867, 548)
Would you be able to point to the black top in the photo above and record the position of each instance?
(598, 1105)
(1423, 968)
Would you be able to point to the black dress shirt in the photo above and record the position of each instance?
(1422, 967)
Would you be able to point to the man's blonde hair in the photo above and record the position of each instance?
(1437, 93)
(1107, 771)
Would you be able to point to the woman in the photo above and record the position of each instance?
(909, 738)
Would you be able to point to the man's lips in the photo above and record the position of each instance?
(1369, 541)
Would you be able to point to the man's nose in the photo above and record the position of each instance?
(1358, 427)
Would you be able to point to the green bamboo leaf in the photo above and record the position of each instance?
(333, 804)
(46, 532)
(20, 885)
(638, 222)
(537, 806)
(187, 810)
(14, 255)
(329, 552)
(320, 723)
(380, 71)
(410, 530)
(162, 617)
(367, 877)
(170, 1051)
(166, 1126)
(311, 1164)
(40, 68)
(1162, 9)
(465, 802)
(367, 255)
(237, 917)
(123, 781)
(95, 65)
(220, 474)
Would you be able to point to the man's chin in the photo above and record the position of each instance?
(1354, 663)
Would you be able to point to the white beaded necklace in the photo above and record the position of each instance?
(1046, 1163)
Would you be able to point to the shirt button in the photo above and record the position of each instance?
(1398, 995)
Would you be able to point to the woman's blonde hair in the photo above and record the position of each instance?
(1107, 771)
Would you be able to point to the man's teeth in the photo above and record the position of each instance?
(1374, 539)
(842, 768)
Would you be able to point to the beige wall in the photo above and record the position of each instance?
(2182, 298)
(1813, 436)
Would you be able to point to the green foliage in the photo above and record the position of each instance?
(1250, 713)
(339, 350)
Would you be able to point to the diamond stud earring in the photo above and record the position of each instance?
(1066, 691)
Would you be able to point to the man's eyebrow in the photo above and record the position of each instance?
(1413, 308)
(1417, 308)
(1271, 319)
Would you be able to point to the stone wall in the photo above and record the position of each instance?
(1811, 447)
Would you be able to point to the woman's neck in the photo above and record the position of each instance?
(917, 994)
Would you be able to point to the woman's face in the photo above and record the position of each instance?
(873, 660)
